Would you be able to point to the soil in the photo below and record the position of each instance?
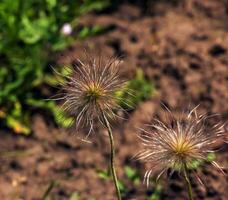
(182, 46)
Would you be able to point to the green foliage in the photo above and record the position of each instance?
(103, 175)
(57, 113)
(122, 186)
(132, 174)
(211, 157)
(29, 32)
(197, 163)
(156, 193)
(136, 91)
(91, 31)
(134, 177)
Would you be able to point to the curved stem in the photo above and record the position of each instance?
(112, 155)
(186, 177)
(49, 189)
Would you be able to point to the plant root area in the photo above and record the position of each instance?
(182, 48)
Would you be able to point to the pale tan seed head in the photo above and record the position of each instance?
(89, 92)
(178, 144)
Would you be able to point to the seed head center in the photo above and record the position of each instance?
(181, 147)
(93, 92)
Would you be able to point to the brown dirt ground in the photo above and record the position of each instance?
(183, 48)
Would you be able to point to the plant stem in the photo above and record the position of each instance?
(112, 155)
(49, 189)
(186, 177)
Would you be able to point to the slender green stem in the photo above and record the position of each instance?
(186, 177)
(49, 189)
(112, 156)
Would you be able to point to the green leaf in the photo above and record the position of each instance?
(84, 33)
(17, 126)
(122, 186)
(90, 5)
(103, 175)
(130, 172)
(29, 33)
(195, 164)
(136, 91)
(211, 157)
(51, 3)
(34, 30)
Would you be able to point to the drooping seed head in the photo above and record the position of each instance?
(90, 91)
(178, 144)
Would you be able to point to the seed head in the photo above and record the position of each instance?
(90, 91)
(177, 145)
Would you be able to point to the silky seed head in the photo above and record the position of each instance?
(179, 143)
(89, 92)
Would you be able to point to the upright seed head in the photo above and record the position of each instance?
(178, 144)
(90, 91)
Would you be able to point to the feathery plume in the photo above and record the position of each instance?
(89, 92)
(177, 145)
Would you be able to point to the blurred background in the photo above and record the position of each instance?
(174, 53)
